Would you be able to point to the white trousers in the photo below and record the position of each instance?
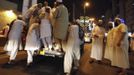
(70, 55)
(13, 54)
(30, 54)
(60, 44)
(47, 41)
(13, 48)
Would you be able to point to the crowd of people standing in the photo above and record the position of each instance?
(51, 27)
(44, 25)
(116, 47)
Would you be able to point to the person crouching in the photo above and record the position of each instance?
(32, 41)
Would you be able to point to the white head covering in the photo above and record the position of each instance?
(59, 0)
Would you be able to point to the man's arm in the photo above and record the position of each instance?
(55, 14)
(123, 30)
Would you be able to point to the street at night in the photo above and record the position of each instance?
(66, 37)
(54, 66)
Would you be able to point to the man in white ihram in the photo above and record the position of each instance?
(97, 44)
(72, 49)
(14, 39)
(60, 26)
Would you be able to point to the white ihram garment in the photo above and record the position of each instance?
(97, 43)
(32, 43)
(46, 32)
(109, 46)
(120, 53)
(72, 48)
(45, 28)
(14, 38)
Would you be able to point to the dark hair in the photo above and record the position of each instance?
(58, 3)
(47, 10)
(39, 5)
(45, 3)
(110, 25)
(35, 13)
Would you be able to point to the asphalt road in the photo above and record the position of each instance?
(41, 66)
(54, 66)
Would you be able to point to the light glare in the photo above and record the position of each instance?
(10, 14)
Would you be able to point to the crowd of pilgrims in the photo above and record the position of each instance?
(50, 28)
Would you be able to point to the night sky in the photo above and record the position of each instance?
(96, 9)
(99, 7)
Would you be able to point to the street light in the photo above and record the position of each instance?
(86, 4)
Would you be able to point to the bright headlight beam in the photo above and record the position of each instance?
(10, 14)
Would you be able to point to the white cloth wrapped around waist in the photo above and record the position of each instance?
(45, 28)
(32, 41)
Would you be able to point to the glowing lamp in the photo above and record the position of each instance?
(10, 14)
(86, 4)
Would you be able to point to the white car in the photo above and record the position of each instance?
(87, 37)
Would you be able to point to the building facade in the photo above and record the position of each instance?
(129, 14)
(9, 7)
